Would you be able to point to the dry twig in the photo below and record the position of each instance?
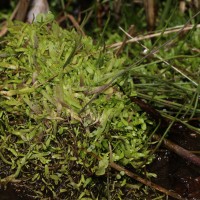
(156, 34)
(145, 182)
(189, 156)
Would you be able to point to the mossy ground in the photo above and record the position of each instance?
(56, 142)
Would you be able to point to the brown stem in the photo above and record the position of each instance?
(130, 32)
(145, 182)
(21, 10)
(179, 150)
(76, 24)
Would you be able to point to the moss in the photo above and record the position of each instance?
(47, 76)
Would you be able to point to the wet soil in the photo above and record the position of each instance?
(176, 173)
(11, 194)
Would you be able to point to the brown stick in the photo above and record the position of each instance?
(130, 32)
(74, 22)
(4, 29)
(22, 9)
(146, 182)
(179, 150)
(149, 6)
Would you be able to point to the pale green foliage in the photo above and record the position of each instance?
(47, 75)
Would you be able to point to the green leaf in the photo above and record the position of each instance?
(46, 171)
(103, 165)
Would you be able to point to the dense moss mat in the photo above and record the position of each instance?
(49, 147)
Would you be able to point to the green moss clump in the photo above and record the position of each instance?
(47, 75)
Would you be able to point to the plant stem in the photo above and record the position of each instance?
(146, 182)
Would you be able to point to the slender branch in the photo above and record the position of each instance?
(189, 156)
(146, 182)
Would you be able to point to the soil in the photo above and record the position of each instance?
(176, 173)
